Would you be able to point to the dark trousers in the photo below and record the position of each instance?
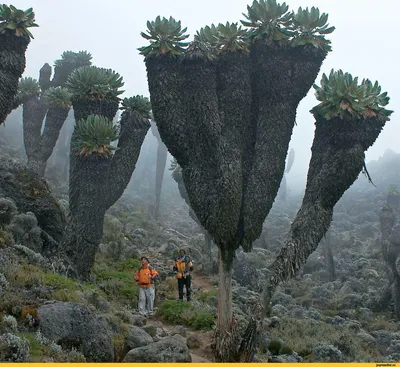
(187, 283)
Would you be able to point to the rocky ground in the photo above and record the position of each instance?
(328, 313)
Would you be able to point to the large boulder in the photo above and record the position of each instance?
(74, 325)
(168, 349)
(31, 193)
(136, 337)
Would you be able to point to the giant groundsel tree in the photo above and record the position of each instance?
(348, 120)
(99, 172)
(46, 104)
(226, 110)
(14, 40)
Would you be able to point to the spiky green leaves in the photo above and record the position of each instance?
(58, 97)
(310, 28)
(268, 20)
(28, 87)
(16, 20)
(139, 104)
(165, 36)
(91, 82)
(341, 95)
(227, 37)
(94, 136)
(272, 21)
(74, 59)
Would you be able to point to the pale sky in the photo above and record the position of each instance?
(365, 43)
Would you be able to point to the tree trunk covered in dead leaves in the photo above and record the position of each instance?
(12, 66)
(40, 140)
(96, 183)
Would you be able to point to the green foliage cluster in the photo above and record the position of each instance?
(223, 38)
(58, 97)
(28, 87)
(117, 280)
(265, 20)
(139, 104)
(341, 95)
(276, 347)
(94, 136)
(92, 82)
(166, 36)
(16, 20)
(74, 59)
(204, 296)
(27, 276)
(178, 312)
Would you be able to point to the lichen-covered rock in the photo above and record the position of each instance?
(26, 232)
(169, 349)
(193, 341)
(136, 337)
(31, 193)
(74, 325)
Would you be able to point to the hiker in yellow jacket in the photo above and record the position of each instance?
(183, 270)
(145, 277)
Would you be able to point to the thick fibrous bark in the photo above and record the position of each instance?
(201, 173)
(44, 77)
(39, 146)
(33, 114)
(86, 107)
(61, 74)
(166, 90)
(234, 98)
(96, 183)
(281, 79)
(207, 236)
(338, 154)
(12, 66)
(133, 131)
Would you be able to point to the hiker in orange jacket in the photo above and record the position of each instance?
(145, 277)
(183, 270)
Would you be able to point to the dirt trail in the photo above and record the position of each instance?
(202, 282)
(203, 354)
(199, 355)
